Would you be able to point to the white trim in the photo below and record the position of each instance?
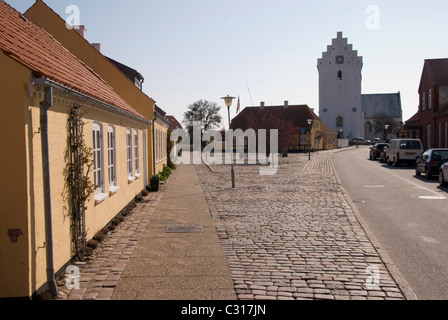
(100, 197)
(111, 156)
(113, 190)
(129, 152)
(98, 157)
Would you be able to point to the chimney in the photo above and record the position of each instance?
(262, 105)
(97, 46)
(81, 30)
(286, 104)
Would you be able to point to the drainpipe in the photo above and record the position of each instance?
(154, 143)
(44, 106)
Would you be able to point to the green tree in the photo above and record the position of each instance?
(206, 112)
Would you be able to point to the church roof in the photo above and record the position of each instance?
(388, 103)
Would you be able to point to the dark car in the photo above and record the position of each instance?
(359, 141)
(375, 151)
(431, 161)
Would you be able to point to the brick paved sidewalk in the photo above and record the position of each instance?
(295, 235)
(100, 274)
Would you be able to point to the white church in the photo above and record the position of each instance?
(342, 106)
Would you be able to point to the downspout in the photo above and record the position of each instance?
(44, 106)
(154, 143)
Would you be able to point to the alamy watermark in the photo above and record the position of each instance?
(74, 18)
(373, 278)
(73, 280)
(373, 20)
(213, 152)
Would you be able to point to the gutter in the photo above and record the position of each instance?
(102, 105)
(44, 106)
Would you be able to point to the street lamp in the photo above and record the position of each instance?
(310, 122)
(228, 100)
(386, 127)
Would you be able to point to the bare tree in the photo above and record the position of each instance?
(384, 125)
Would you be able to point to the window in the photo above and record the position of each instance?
(423, 101)
(429, 99)
(339, 75)
(136, 151)
(129, 151)
(339, 122)
(446, 134)
(439, 142)
(98, 161)
(428, 136)
(111, 156)
(368, 126)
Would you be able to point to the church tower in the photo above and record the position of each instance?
(340, 102)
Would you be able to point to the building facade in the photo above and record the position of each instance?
(45, 92)
(301, 138)
(340, 102)
(342, 106)
(430, 123)
(124, 80)
(375, 105)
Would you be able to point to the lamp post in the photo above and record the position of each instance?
(228, 100)
(386, 127)
(310, 122)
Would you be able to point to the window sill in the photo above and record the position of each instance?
(137, 175)
(131, 179)
(113, 190)
(100, 197)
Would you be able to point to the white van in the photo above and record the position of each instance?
(403, 150)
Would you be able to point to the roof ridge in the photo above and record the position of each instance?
(43, 54)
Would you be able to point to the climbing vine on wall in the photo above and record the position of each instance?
(80, 185)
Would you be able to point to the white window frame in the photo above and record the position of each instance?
(429, 99)
(423, 101)
(112, 160)
(129, 154)
(136, 154)
(98, 161)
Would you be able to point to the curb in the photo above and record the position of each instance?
(403, 285)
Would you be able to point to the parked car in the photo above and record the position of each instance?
(403, 150)
(443, 175)
(378, 140)
(383, 154)
(430, 162)
(375, 151)
(360, 141)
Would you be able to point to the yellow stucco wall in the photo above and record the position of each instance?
(160, 146)
(41, 14)
(97, 215)
(23, 260)
(14, 260)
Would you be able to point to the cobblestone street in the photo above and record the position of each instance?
(294, 235)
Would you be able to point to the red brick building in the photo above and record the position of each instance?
(430, 123)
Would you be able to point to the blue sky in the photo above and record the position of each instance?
(205, 49)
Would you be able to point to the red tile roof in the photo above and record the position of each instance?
(174, 123)
(438, 69)
(297, 114)
(36, 49)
